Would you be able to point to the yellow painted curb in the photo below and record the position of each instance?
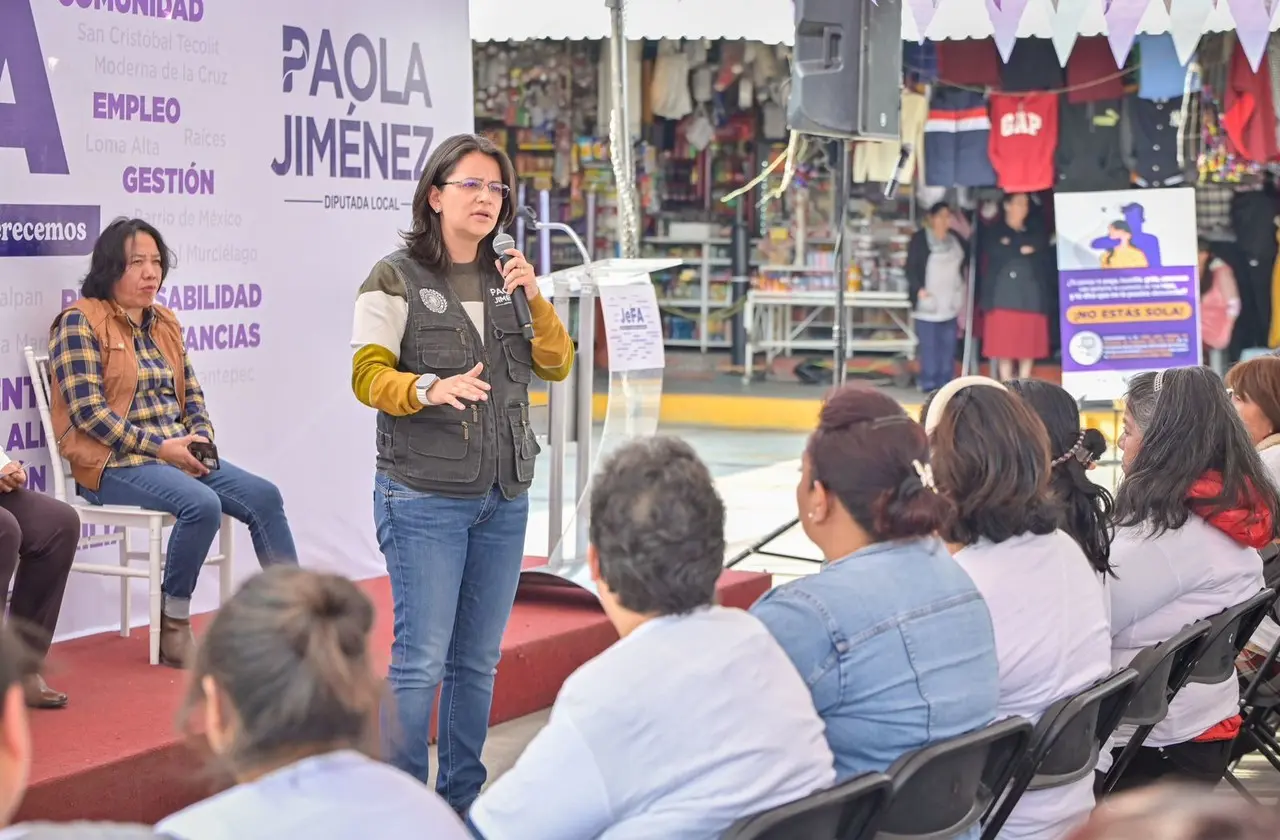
(741, 411)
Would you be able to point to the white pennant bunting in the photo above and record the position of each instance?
(923, 12)
(1253, 26)
(1186, 23)
(1123, 17)
(1065, 27)
(1005, 16)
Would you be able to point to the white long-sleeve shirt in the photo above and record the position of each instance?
(1165, 583)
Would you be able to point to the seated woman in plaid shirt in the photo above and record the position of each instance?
(127, 408)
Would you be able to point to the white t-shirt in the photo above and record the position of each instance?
(675, 732)
(334, 796)
(1052, 641)
(1163, 584)
(1265, 637)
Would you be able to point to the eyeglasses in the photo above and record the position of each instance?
(474, 185)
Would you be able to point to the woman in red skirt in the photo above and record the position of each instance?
(1013, 290)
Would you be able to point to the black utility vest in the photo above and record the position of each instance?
(440, 449)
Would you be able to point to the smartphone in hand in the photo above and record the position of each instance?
(205, 453)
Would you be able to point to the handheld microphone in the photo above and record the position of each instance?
(899, 172)
(519, 300)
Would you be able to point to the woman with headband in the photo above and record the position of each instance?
(873, 634)
(991, 457)
(1086, 506)
(1195, 506)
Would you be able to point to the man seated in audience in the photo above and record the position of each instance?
(18, 664)
(696, 717)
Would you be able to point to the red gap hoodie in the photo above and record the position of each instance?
(1024, 136)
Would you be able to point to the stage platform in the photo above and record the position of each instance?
(114, 752)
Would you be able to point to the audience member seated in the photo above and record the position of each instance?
(991, 457)
(695, 718)
(1086, 507)
(1179, 812)
(1255, 391)
(288, 700)
(874, 634)
(127, 407)
(1195, 506)
(17, 664)
(38, 540)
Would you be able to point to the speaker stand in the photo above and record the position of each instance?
(840, 337)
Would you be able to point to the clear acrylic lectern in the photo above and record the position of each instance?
(633, 329)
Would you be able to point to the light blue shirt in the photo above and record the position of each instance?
(1161, 75)
(675, 732)
(335, 796)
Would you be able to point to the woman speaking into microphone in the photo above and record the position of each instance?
(440, 354)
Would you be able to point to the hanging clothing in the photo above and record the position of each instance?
(1092, 73)
(1089, 156)
(1149, 136)
(877, 161)
(1249, 117)
(669, 93)
(1219, 305)
(1033, 65)
(1161, 74)
(956, 138)
(1024, 137)
(973, 62)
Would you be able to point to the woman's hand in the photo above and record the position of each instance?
(455, 389)
(12, 477)
(177, 452)
(518, 272)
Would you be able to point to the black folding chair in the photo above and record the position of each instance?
(848, 811)
(1259, 704)
(1065, 743)
(1162, 670)
(942, 790)
(1217, 654)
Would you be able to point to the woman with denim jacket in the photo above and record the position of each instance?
(992, 458)
(874, 633)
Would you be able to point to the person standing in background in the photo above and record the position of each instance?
(1219, 307)
(1013, 290)
(937, 260)
(439, 353)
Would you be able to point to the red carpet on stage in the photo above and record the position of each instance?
(114, 753)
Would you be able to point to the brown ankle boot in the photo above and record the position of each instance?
(177, 644)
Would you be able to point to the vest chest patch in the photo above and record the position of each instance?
(433, 300)
(500, 296)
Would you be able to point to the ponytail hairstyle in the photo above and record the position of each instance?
(289, 657)
(870, 455)
(1086, 507)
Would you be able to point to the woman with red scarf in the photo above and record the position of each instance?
(1195, 506)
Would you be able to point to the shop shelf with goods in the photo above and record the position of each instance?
(791, 307)
(694, 296)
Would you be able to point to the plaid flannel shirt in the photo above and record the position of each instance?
(156, 415)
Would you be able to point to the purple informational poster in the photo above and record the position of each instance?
(1128, 286)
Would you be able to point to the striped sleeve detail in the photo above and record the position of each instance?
(381, 311)
(552, 346)
(376, 382)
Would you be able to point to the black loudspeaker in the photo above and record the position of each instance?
(846, 70)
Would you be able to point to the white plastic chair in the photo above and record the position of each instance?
(125, 517)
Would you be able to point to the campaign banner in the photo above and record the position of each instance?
(1128, 286)
(276, 146)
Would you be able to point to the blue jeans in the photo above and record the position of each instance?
(937, 353)
(454, 566)
(198, 505)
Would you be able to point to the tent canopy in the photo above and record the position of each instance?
(773, 21)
